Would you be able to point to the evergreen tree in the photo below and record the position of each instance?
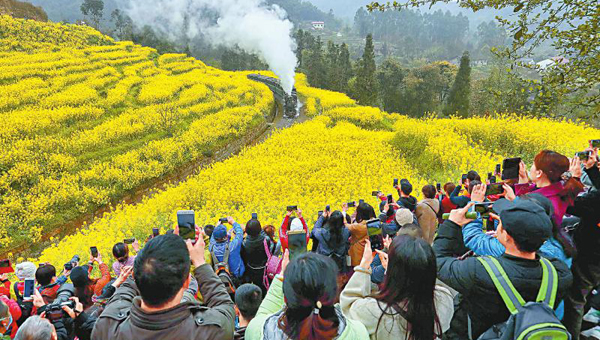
(332, 67)
(315, 65)
(300, 46)
(458, 99)
(93, 9)
(345, 66)
(365, 86)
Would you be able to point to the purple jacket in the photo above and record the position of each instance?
(117, 266)
(552, 192)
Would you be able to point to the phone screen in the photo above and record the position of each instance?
(438, 187)
(510, 168)
(297, 243)
(595, 143)
(5, 267)
(494, 189)
(374, 227)
(154, 232)
(187, 224)
(374, 193)
(390, 199)
(483, 208)
(395, 181)
(255, 216)
(4, 264)
(584, 155)
(94, 251)
(498, 169)
(28, 290)
(464, 178)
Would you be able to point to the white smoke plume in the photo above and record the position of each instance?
(251, 24)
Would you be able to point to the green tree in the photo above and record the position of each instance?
(93, 9)
(123, 24)
(345, 66)
(365, 86)
(459, 97)
(332, 67)
(570, 26)
(315, 65)
(390, 76)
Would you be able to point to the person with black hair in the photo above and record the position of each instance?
(462, 201)
(49, 284)
(309, 311)
(406, 200)
(522, 229)
(248, 298)
(377, 268)
(123, 259)
(254, 253)
(332, 235)
(410, 305)
(85, 287)
(358, 230)
(157, 304)
(427, 212)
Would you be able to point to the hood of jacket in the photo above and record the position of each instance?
(409, 202)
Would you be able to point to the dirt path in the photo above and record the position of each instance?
(258, 135)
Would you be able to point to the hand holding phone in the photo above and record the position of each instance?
(186, 221)
(28, 290)
(94, 252)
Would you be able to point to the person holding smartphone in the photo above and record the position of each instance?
(121, 253)
(292, 223)
(85, 287)
(221, 246)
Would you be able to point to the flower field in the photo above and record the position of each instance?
(86, 120)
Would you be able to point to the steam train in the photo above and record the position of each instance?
(290, 102)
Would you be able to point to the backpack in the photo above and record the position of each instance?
(272, 267)
(222, 270)
(531, 320)
(26, 306)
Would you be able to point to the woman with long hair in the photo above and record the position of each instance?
(301, 304)
(410, 305)
(332, 238)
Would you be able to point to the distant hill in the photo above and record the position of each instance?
(24, 10)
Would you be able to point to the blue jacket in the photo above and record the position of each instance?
(236, 265)
(459, 201)
(324, 237)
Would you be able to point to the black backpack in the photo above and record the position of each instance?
(222, 270)
(528, 320)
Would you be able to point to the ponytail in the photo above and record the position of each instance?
(571, 188)
(303, 323)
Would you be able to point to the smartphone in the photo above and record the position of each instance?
(438, 187)
(69, 266)
(494, 189)
(493, 180)
(296, 243)
(6, 267)
(223, 220)
(254, 216)
(395, 182)
(595, 143)
(154, 232)
(320, 213)
(583, 155)
(94, 251)
(498, 169)
(374, 227)
(463, 179)
(375, 193)
(328, 208)
(129, 240)
(510, 168)
(483, 208)
(292, 207)
(186, 221)
(351, 204)
(28, 290)
(390, 199)
(361, 201)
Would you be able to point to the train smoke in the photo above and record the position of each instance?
(252, 25)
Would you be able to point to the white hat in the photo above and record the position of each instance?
(296, 225)
(404, 217)
(25, 270)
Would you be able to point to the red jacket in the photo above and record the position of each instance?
(15, 312)
(283, 232)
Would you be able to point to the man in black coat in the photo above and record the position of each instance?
(524, 227)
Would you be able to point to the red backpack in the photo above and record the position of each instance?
(272, 267)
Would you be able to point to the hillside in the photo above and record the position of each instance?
(19, 9)
(85, 121)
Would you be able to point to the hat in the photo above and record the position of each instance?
(25, 271)
(220, 232)
(296, 225)
(404, 216)
(405, 186)
(525, 221)
(79, 276)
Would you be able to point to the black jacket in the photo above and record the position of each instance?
(587, 207)
(409, 202)
(253, 251)
(482, 301)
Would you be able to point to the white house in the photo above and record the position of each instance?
(546, 63)
(318, 25)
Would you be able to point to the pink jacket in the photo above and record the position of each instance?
(552, 192)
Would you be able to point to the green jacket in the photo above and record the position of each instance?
(272, 306)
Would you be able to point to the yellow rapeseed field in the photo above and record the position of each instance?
(88, 119)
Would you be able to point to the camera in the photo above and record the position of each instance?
(55, 312)
(69, 265)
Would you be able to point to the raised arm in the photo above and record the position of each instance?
(479, 242)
